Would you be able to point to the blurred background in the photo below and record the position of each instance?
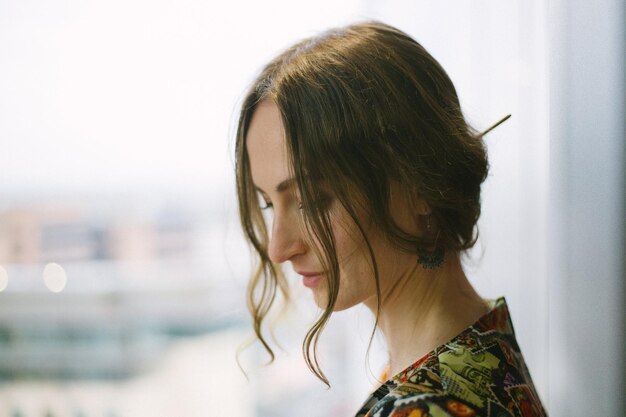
(122, 265)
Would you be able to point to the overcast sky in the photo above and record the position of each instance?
(125, 95)
(133, 93)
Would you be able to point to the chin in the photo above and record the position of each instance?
(321, 300)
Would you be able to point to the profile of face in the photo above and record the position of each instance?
(289, 241)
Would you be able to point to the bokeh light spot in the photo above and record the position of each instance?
(54, 277)
(4, 278)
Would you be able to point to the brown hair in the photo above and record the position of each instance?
(362, 106)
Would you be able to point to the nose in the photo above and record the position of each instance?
(286, 240)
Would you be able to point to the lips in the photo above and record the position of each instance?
(311, 279)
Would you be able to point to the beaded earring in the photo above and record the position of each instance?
(430, 260)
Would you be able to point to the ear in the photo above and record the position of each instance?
(407, 209)
(410, 197)
(419, 204)
(422, 207)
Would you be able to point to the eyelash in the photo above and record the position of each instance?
(270, 205)
(325, 201)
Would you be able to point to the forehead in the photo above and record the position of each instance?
(266, 126)
(266, 146)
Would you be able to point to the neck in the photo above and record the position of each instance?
(421, 309)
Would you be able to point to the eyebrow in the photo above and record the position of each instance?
(282, 186)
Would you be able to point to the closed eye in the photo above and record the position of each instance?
(264, 201)
(268, 205)
(323, 203)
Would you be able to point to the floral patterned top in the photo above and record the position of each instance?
(480, 372)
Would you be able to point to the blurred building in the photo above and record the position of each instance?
(109, 322)
(130, 287)
(32, 235)
(60, 233)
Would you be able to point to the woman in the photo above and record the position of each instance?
(355, 141)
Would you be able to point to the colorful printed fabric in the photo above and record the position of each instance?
(480, 372)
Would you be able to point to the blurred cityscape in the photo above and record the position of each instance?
(66, 233)
(141, 315)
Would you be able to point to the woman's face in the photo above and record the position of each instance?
(268, 156)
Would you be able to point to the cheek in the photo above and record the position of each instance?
(345, 233)
(348, 239)
(357, 273)
(353, 250)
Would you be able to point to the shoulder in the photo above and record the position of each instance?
(423, 405)
(419, 391)
(522, 403)
(481, 372)
(460, 383)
